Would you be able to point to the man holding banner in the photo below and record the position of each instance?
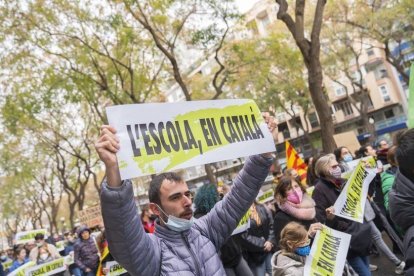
(180, 245)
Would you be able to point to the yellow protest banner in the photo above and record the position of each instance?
(28, 236)
(60, 246)
(186, 134)
(7, 265)
(328, 253)
(243, 225)
(351, 202)
(21, 271)
(46, 269)
(115, 269)
(266, 196)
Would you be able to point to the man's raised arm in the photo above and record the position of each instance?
(220, 222)
(128, 243)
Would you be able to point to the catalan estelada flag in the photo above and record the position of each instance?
(294, 161)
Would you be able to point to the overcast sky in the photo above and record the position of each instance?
(245, 5)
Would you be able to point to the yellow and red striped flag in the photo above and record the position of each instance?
(294, 161)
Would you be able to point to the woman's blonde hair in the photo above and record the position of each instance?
(294, 233)
(323, 165)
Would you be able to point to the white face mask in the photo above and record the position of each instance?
(177, 224)
(44, 256)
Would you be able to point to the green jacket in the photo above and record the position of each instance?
(387, 180)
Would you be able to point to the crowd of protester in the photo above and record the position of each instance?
(281, 231)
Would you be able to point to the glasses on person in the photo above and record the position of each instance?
(334, 166)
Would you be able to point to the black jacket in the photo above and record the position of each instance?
(253, 240)
(281, 219)
(325, 195)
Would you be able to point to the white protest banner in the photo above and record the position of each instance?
(160, 137)
(21, 271)
(351, 202)
(369, 161)
(328, 253)
(91, 216)
(28, 236)
(49, 268)
(70, 259)
(115, 269)
(265, 196)
(243, 225)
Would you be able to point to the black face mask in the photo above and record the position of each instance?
(153, 217)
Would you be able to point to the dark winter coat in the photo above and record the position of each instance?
(166, 252)
(325, 195)
(401, 203)
(86, 254)
(253, 240)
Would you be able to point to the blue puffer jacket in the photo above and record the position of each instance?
(193, 252)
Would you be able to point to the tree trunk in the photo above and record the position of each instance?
(321, 106)
(210, 174)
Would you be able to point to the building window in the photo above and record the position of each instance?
(340, 91)
(345, 107)
(384, 93)
(284, 129)
(313, 119)
(264, 20)
(389, 114)
(370, 52)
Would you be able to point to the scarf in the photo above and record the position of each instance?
(303, 211)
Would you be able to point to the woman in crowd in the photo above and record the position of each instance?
(293, 204)
(294, 247)
(148, 220)
(20, 258)
(327, 189)
(258, 241)
(231, 253)
(44, 255)
(343, 156)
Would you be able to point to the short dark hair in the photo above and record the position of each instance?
(156, 182)
(39, 236)
(405, 150)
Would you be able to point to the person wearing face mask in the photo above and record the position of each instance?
(293, 204)
(327, 189)
(44, 255)
(180, 245)
(148, 219)
(39, 242)
(343, 156)
(294, 247)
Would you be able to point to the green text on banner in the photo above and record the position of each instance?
(49, 268)
(265, 196)
(160, 137)
(115, 269)
(28, 236)
(351, 202)
(328, 253)
(21, 271)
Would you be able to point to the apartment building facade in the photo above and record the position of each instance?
(386, 99)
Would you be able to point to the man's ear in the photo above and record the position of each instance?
(154, 208)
